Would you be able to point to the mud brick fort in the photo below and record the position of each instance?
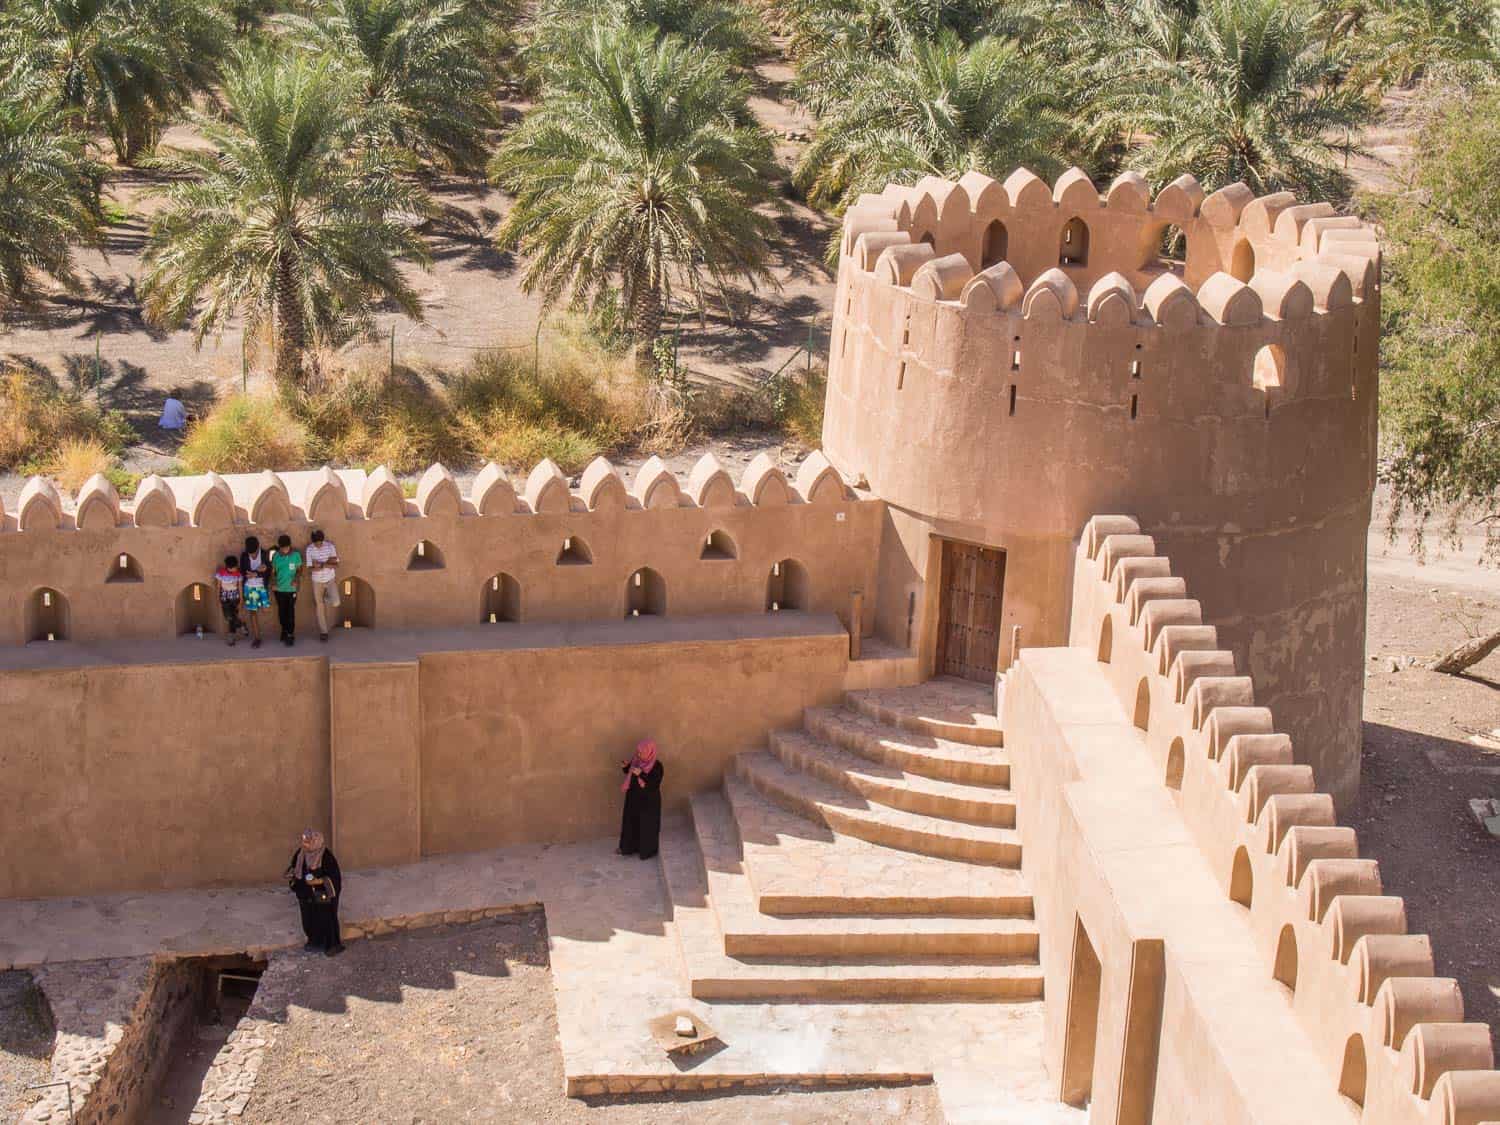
(1039, 685)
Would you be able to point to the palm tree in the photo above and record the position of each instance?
(280, 222)
(49, 193)
(557, 26)
(122, 66)
(638, 169)
(1256, 96)
(938, 108)
(418, 71)
(1402, 39)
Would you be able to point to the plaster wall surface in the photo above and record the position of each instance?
(158, 776)
(168, 764)
(1234, 415)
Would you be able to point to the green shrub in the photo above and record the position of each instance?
(36, 418)
(243, 434)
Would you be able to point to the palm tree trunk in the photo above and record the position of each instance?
(1467, 654)
(645, 318)
(291, 331)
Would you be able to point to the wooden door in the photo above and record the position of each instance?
(968, 641)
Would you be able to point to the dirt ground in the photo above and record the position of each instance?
(458, 1024)
(25, 1042)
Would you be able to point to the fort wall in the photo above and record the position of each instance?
(203, 770)
(1203, 913)
(999, 388)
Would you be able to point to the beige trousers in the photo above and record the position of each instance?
(325, 598)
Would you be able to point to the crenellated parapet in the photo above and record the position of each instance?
(1389, 1033)
(100, 569)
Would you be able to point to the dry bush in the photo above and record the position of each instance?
(243, 434)
(77, 459)
(369, 416)
(36, 418)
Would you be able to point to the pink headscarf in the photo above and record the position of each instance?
(645, 758)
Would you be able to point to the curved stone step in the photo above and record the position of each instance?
(944, 708)
(909, 750)
(886, 785)
(854, 815)
(747, 931)
(799, 866)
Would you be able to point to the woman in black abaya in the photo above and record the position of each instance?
(640, 825)
(315, 879)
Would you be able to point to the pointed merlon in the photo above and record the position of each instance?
(547, 489)
(1130, 193)
(270, 505)
(492, 493)
(709, 485)
(1282, 295)
(1074, 191)
(40, 507)
(1171, 303)
(601, 486)
(1331, 287)
(383, 498)
(1224, 207)
(655, 486)
(942, 279)
(214, 504)
(153, 505)
(1258, 219)
(1025, 189)
(1227, 300)
(764, 483)
(1052, 296)
(437, 492)
(818, 482)
(1112, 300)
(1289, 222)
(899, 264)
(98, 505)
(1179, 201)
(994, 289)
(870, 247)
(325, 498)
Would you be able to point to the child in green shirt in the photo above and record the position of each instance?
(286, 569)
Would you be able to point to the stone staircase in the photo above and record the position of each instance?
(871, 855)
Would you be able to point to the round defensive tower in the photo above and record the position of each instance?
(1008, 360)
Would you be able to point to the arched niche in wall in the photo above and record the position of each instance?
(123, 569)
(1242, 261)
(425, 556)
(574, 552)
(1171, 248)
(1073, 244)
(197, 608)
(500, 600)
(1353, 1071)
(645, 594)
(996, 245)
(1142, 716)
(786, 586)
(47, 616)
(356, 603)
(1241, 879)
(1106, 638)
(1268, 373)
(717, 546)
(1285, 969)
(1176, 761)
(928, 238)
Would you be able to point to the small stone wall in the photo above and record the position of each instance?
(116, 1020)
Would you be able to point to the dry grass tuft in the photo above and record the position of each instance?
(36, 418)
(243, 434)
(78, 459)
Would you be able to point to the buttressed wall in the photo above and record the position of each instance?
(1008, 359)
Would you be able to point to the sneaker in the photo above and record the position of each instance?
(255, 643)
(232, 638)
(334, 950)
(290, 641)
(323, 637)
(311, 947)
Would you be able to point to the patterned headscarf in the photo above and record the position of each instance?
(310, 858)
(645, 758)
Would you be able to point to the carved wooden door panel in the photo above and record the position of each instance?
(969, 604)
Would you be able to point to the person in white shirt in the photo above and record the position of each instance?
(322, 557)
(173, 414)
